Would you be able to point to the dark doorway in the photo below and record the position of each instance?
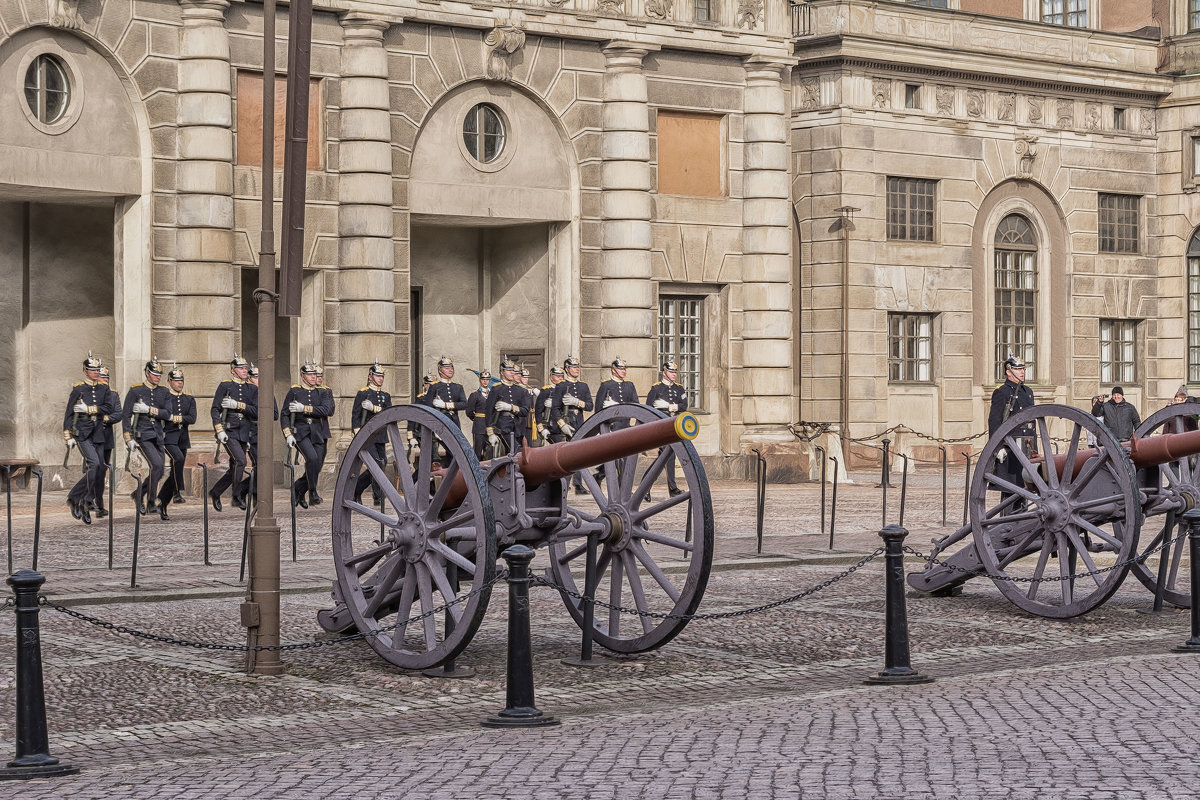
(532, 360)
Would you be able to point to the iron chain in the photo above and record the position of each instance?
(242, 648)
(9, 602)
(1053, 578)
(723, 615)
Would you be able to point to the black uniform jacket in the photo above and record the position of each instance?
(147, 426)
(181, 414)
(89, 426)
(313, 422)
(672, 393)
(359, 416)
(238, 422)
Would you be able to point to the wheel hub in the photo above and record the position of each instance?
(409, 537)
(1054, 508)
(620, 527)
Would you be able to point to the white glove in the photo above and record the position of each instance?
(439, 402)
(549, 402)
(671, 409)
(541, 431)
(141, 408)
(494, 440)
(414, 452)
(571, 400)
(132, 445)
(369, 406)
(608, 403)
(295, 407)
(80, 407)
(1001, 456)
(228, 402)
(291, 440)
(71, 443)
(222, 437)
(567, 429)
(661, 405)
(503, 406)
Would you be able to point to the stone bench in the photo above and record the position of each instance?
(19, 469)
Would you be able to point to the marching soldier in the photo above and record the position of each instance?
(477, 413)
(83, 427)
(447, 397)
(234, 413)
(181, 414)
(145, 409)
(545, 403)
(616, 390)
(572, 397)
(305, 422)
(1009, 398)
(248, 488)
(110, 443)
(423, 398)
(533, 436)
(507, 411)
(370, 400)
(669, 396)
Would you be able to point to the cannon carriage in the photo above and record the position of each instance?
(1061, 542)
(439, 530)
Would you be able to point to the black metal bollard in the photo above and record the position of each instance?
(585, 658)
(246, 531)
(896, 668)
(966, 485)
(33, 747)
(760, 493)
(1192, 517)
(519, 710)
(112, 503)
(943, 449)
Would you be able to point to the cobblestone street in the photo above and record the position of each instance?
(763, 705)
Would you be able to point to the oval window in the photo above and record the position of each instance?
(47, 90)
(483, 132)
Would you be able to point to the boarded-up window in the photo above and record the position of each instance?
(689, 154)
(250, 120)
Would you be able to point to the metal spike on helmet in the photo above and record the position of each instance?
(618, 363)
(670, 365)
(252, 371)
(1012, 362)
(556, 370)
(91, 362)
(571, 361)
(238, 361)
(176, 374)
(376, 368)
(309, 367)
(507, 364)
(103, 372)
(153, 367)
(445, 361)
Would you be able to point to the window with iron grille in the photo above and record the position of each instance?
(1071, 13)
(1194, 15)
(910, 347)
(1193, 308)
(1016, 294)
(1118, 224)
(1118, 338)
(702, 10)
(910, 209)
(680, 339)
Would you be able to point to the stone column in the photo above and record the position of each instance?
(196, 318)
(625, 293)
(768, 405)
(362, 326)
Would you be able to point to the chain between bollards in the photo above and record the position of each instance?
(896, 668)
(1192, 518)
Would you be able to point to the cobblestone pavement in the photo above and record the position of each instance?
(766, 705)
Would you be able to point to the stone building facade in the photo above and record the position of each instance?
(804, 203)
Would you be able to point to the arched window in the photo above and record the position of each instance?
(1193, 307)
(1016, 293)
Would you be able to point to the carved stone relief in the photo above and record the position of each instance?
(502, 42)
(749, 13)
(659, 9)
(810, 93)
(1026, 150)
(1148, 121)
(1066, 114)
(64, 14)
(1091, 116)
(557, 3)
(881, 91)
(944, 97)
(612, 6)
(1036, 109)
(975, 98)
(1006, 109)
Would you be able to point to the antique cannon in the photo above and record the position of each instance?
(440, 528)
(1037, 540)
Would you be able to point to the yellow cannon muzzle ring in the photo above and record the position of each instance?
(687, 426)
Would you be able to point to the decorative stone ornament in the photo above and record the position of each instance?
(1026, 150)
(659, 9)
(502, 42)
(881, 93)
(749, 13)
(944, 99)
(612, 6)
(65, 14)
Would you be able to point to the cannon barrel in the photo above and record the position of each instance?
(1150, 451)
(554, 461)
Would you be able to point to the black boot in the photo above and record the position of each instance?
(84, 514)
(75, 509)
(178, 498)
(216, 500)
(136, 497)
(298, 498)
(314, 498)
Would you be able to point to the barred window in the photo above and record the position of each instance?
(910, 347)
(1193, 308)
(1194, 15)
(680, 339)
(702, 10)
(1118, 224)
(1117, 340)
(1071, 13)
(1016, 294)
(910, 209)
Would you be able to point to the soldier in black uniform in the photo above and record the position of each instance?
(181, 414)
(669, 396)
(234, 413)
(143, 415)
(572, 397)
(248, 488)
(370, 400)
(448, 397)
(545, 403)
(616, 390)
(422, 398)
(477, 413)
(110, 442)
(507, 411)
(1009, 398)
(83, 427)
(305, 422)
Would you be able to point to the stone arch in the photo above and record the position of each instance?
(1035, 203)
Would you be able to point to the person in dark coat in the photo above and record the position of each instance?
(507, 411)
(669, 397)
(143, 415)
(181, 415)
(305, 422)
(477, 413)
(110, 443)
(1119, 415)
(84, 428)
(234, 414)
(1007, 399)
(369, 401)
(616, 390)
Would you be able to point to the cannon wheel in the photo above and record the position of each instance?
(1045, 543)
(1182, 476)
(647, 536)
(392, 565)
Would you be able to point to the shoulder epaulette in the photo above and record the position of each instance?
(297, 386)
(135, 385)
(81, 383)
(365, 389)
(658, 383)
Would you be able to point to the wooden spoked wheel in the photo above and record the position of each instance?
(1037, 534)
(658, 548)
(1176, 483)
(418, 552)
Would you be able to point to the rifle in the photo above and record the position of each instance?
(129, 453)
(217, 443)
